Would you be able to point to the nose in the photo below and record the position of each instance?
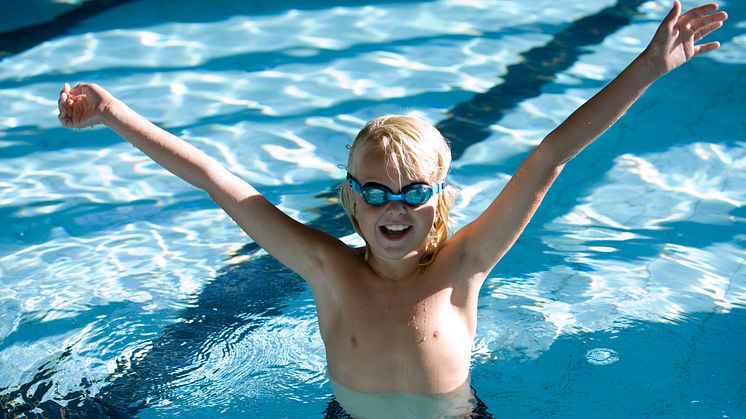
(395, 207)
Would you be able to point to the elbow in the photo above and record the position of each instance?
(553, 156)
(561, 162)
(210, 178)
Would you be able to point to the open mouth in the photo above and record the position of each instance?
(394, 231)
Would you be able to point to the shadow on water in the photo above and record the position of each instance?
(267, 60)
(260, 287)
(80, 217)
(21, 39)
(470, 121)
(18, 40)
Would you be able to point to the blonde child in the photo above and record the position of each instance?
(398, 316)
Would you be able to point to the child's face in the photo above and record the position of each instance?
(394, 230)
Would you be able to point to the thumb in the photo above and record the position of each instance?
(673, 15)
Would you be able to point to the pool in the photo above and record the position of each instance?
(124, 291)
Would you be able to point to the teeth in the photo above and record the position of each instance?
(396, 227)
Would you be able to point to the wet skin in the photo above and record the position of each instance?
(395, 326)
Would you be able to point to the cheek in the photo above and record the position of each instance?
(426, 214)
(364, 214)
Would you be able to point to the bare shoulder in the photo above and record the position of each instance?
(337, 263)
(337, 284)
(457, 268)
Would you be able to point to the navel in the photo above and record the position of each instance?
(435, 334)
(353, 342)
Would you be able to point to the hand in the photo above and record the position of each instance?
(83, 105)
(674, 42)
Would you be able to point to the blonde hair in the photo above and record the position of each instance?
(416, 148)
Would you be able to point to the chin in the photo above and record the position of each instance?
(398, 250)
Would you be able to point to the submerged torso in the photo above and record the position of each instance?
(460, 402)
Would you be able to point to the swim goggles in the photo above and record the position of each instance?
(413, 195)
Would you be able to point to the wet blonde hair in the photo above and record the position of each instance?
(415, 148)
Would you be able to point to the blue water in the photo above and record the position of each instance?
(124, 290)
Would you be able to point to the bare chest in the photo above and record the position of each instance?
(399, 338)
(409, 320)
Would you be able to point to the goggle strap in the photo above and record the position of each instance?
(439, 187)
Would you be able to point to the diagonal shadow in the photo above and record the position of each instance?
(266, 60)
(259, 288)
(18, 40)
(470, 121)
(81, 217)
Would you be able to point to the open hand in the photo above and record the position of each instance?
(83, 105)
(675, 41)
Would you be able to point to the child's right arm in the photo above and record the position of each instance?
(303, 249)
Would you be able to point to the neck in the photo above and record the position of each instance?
(394, 270)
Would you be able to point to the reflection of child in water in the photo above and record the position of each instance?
(399, 315)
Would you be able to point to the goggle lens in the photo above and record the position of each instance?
(373, 195)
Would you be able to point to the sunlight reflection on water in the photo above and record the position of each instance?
(105, 249)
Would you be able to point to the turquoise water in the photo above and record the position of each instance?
(124, 290)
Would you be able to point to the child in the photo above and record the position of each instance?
(398, 316)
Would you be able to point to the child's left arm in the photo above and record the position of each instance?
(672, 46)
(484, 241)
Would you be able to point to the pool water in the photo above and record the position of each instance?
(125, 292)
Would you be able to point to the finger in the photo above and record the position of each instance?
(76, 98)
(79, 89)
(65, 120)
(64, 104)
(63, 112)
(706, 20)
(61, 101)
(77, 112)
(673, 16)
(707, 30)
(701, 49)
(700, 11)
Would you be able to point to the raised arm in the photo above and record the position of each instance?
(87, 105)
(491, 235)
(300, 247)
(672, 45)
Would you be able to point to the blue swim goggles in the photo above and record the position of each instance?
(413, 195)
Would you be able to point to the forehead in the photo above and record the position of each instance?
(376, 166)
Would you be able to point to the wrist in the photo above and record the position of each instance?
(109, 109)
(644, 70)
(650, 66)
